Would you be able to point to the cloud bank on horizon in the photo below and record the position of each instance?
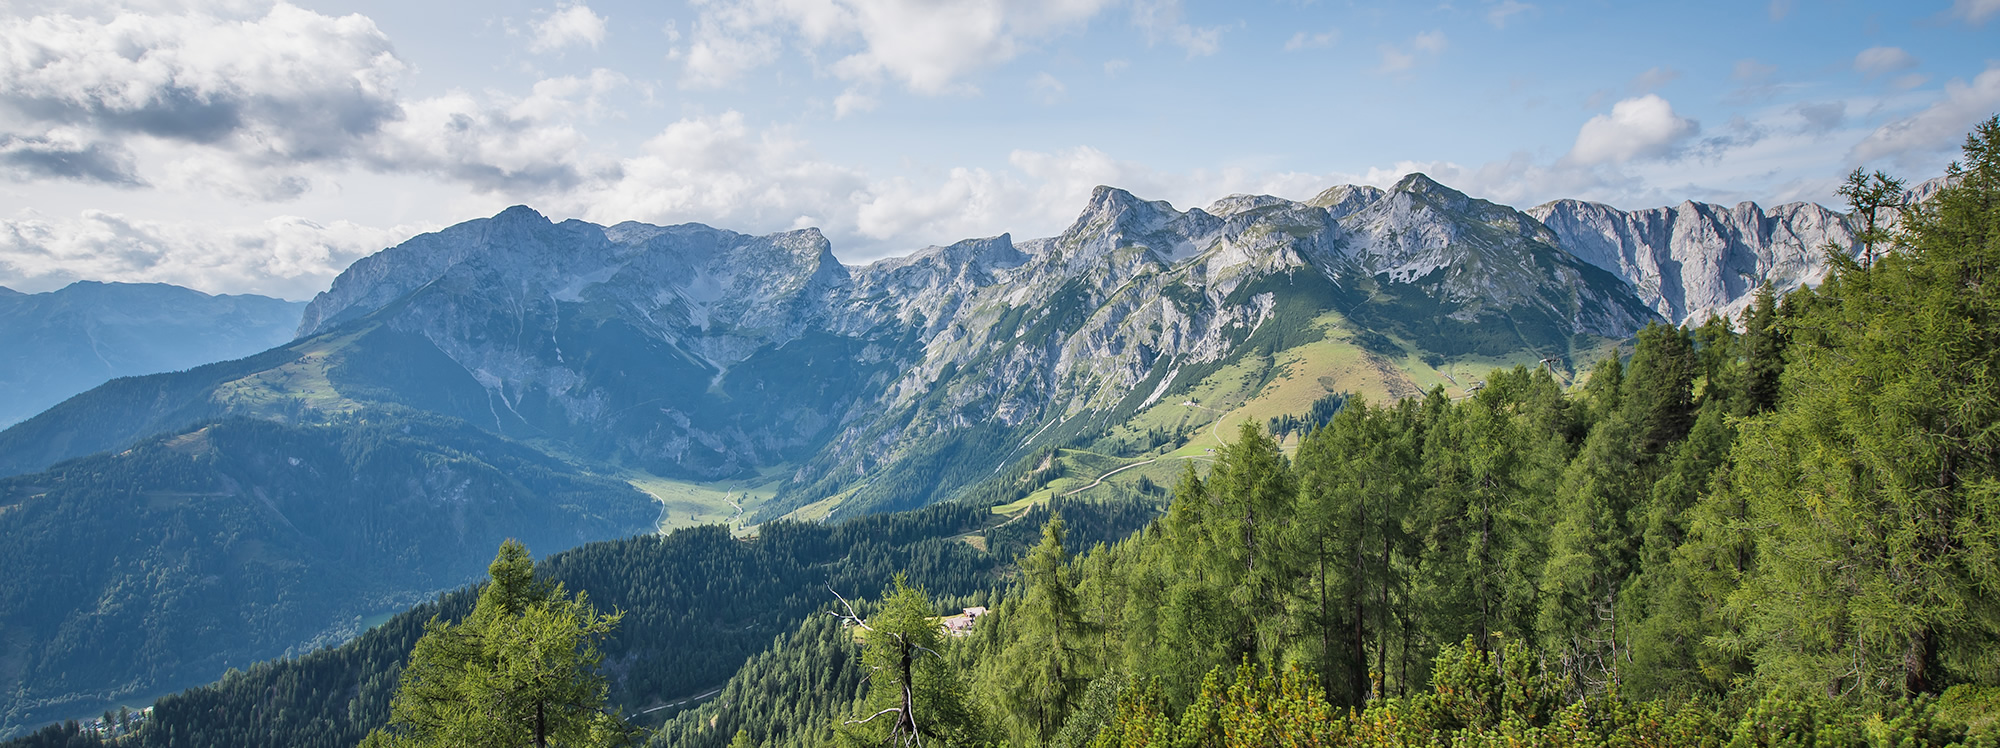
(252, 146)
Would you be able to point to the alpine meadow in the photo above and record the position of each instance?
(559, 373)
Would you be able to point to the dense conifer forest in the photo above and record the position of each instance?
(1777, 530)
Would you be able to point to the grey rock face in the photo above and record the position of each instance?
(1695, 260)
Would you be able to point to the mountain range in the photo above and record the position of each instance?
(69, 340)
(742, 379)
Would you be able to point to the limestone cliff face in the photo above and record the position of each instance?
(1695, 260)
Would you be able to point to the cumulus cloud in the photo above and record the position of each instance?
(1939, 128)
(569, 25)
(928, 46)
(1875, 61)
(287, 256)
(1642, 127)
(242, 104)
(292, 85)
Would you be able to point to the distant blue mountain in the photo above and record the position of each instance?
(54, 345)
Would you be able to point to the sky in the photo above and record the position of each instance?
(242, 146)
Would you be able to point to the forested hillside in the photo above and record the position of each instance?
(159, 567)
(697, 603)
(1784, 536)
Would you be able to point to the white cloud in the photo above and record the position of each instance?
(1303, 40)
(1875, 61)
(286, 256)
(553, 98)
(291, 85)
(1396, 59)
(570, 24)
(717, 57)
(718, 170)
(1975, 11)
(1500, 14)
(1937, 129)
(248, 107)
(486, 145)
(1642, 127)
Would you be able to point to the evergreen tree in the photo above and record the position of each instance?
(520, 670)
(1763, 345)
(1355, 477)
(1878, 476)
(914, 694)
(1044, 671)
(1869, 195)
(1253, 489)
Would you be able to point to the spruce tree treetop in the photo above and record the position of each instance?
(521, 670)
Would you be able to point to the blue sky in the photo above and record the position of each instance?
(245, 146)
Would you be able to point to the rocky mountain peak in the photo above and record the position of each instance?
(1419, 184)
(1235, 204)
(520, 214)
(1343, 200)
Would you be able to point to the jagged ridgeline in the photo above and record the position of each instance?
(686, 352)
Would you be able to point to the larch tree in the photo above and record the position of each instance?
(1878, 476)
(521, 670)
